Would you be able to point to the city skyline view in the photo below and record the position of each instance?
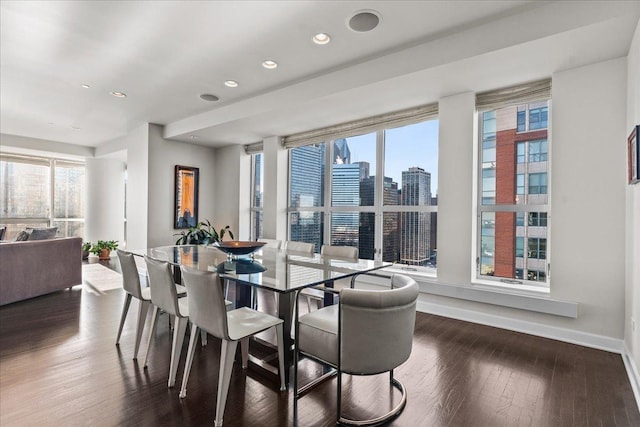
(410, 162)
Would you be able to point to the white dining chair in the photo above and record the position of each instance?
(350, 252)
(207, 312)
(303, 247)
(368, 333)
(271, 243)
(164, 297)
(132, 288)
(334, 251)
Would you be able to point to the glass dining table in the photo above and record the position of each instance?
(283, 272)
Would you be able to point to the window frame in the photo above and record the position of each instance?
(517, 208)
(378, 209)
(254, 210)
(52, 164)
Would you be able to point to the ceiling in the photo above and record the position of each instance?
(164, 55)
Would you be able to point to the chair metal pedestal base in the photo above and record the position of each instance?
(383, 418)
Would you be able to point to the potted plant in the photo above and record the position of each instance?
(103, 248)
(86, 247)
(202, 234)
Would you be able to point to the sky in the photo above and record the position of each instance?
(405, 147)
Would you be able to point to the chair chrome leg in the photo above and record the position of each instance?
(382, 418)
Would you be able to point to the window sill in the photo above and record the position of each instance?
(529, 298)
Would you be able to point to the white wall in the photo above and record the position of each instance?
(632, 259)
(587, 186)
(587, 218)
(231, 183)
(137, 146)
(455, 187)
(276, 176)
(164, 155)
(104, 218)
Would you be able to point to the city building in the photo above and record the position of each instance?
(415, 246)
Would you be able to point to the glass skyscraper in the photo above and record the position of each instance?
(415, 246)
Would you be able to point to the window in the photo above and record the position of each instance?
(257, 180)
(537, 151)
(306, 194)
(537, 219)
(513, 188)
(519, 247)
(538, 118)
(522, 119)
(538, 183)
(537, 248)
(374, 191)
(41, 192)
(532, 116)
(520, 152)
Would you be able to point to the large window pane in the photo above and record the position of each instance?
(410, 238)
(354, 229)
(258, 179)
(389, 215)
(306, 226)
(256, 224)
(353, 171)
(411, 164)
(512, 237)
(25, 190)
(69, 190)
(257, 202)
(70, 228)
(306, 180)
(27, 185)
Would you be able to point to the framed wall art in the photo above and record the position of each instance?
(633, 156)
(186, 197)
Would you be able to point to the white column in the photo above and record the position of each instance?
(276, 167)
(455, 187)
(105, 200)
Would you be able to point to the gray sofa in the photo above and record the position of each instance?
(32, 268)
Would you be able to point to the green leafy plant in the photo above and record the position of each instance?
(103, 244)
(86, 246)
(202, 234)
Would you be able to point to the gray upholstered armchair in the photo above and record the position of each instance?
(367, 333)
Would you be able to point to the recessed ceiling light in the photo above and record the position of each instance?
(364, 20)
(321, 38)
(118, 94)
(75, 128)
(231, 83)
(85, 86)
(209, 97)
(269, 64)
(193, 136)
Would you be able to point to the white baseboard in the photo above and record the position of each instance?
(632, 372)
(561, 334)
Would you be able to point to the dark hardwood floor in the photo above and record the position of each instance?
(59, 365)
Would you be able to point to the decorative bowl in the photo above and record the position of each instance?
(239, 247)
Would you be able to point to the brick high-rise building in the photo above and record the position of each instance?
(519, 175)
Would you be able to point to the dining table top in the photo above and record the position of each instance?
(275, 269)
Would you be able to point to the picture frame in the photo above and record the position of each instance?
(185, 213)
(633, 156)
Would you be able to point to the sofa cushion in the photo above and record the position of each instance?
(23, 235)
(42, 233)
